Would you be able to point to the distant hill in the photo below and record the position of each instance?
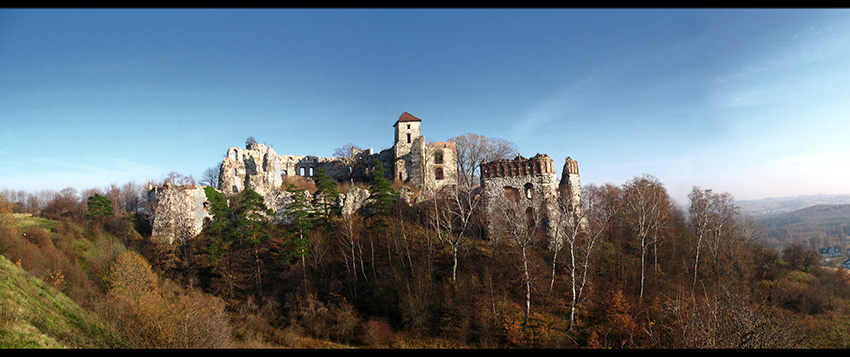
(770, 206)
(814, 227)
(34, 315)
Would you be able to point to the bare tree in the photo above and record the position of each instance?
(646, 205)
(454, 210)
(710, 214)
(178, 179)
(728, 321)
(519, 224)
(472, 149)
(579, 230)
(132, 197)
(349, 240)
(725, 214)
(350, 155)
(210, 177)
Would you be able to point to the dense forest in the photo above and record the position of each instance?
(629, 269)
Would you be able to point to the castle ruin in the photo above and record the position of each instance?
(529, 184)
(425, 166)
(412, 161)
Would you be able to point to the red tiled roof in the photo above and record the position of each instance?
(405, 117)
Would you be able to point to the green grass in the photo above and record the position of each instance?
(35, 315)
(26, 220)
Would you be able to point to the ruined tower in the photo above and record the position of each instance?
(426, 166)
(530, 185)
(570, 184)
(407, 148)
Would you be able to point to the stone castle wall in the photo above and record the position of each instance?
(525, 184)
(529, 185)
(179, 212)
(425, 166)
(522, 183)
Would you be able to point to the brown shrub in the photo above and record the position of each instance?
(299, 182)
(377, 333)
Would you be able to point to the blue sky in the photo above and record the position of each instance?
(751, 102)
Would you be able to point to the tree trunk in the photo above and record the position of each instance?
(554, 262)
(527, 279)
(454, 261)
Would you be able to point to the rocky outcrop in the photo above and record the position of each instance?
(255, 168)
(352, 201)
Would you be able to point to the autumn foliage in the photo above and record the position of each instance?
(640, 272)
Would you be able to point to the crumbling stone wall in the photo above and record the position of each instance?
(425, 166)
(528, 184)
(179, 212)
(308, 166)
(570, 186)
(440, 165)
(256, 167)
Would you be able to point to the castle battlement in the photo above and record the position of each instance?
(540, 164)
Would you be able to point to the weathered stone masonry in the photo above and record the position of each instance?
(530, 184)
(427, 167)
(179, 212)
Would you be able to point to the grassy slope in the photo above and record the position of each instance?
(35, 315)
(26, 220)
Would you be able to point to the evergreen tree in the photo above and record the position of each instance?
(324, 198)
(218, 229)
(294, 244)
(253, 230)
(240, 231)
(99, 207)
(382, 199)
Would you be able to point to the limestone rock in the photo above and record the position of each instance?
(353, 200)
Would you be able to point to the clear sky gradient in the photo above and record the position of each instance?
(751, 102)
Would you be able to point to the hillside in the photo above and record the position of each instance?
(34, 315)
(395, 281)
(813, 227)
